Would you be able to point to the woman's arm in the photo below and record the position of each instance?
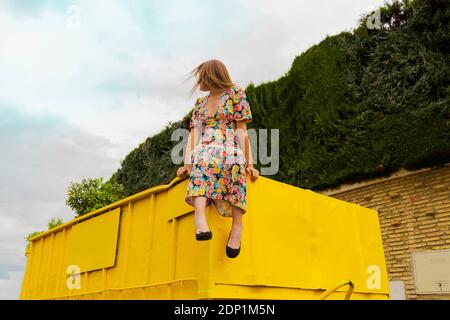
(244, 143)
(193, 140)
(187, 165)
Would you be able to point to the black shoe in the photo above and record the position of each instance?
(205, 235)
(231, 252)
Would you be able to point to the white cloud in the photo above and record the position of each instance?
(41, 156)
(10, 287)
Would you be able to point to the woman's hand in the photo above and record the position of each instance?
(184, 171)
(254, 173)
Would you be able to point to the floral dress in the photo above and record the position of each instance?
(218, 163)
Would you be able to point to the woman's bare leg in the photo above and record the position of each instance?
(201, 225)
(236, 228)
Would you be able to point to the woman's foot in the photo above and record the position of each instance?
(202, 231)
(201, 224)
(234, 241)
(203, 236)
(232, 248)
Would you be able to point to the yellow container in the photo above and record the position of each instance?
(296, 244)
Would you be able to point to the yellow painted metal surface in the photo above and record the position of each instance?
(296, 244)
(92, 244)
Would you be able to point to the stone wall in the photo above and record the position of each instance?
(414, 212)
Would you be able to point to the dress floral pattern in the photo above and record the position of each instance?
(218, 163)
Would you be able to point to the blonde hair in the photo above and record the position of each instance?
(213, 75)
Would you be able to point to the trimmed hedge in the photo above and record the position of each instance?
(358, 105)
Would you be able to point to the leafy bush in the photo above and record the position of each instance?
(149, 164)
(86, 196)
(53, 223)
(91, 194)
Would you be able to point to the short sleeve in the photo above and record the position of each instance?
(194, 116)
(241, 106)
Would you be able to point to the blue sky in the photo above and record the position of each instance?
(85, 82)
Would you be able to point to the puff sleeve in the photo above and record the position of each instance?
(241, 106)
(194, 116)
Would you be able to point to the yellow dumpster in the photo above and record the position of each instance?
(296, 244)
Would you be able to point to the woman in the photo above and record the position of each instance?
(218, 153)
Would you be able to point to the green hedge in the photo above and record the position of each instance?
(358, 105)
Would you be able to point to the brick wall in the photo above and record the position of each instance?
(414, 212)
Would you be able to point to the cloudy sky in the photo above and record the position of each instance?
(82, 83)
